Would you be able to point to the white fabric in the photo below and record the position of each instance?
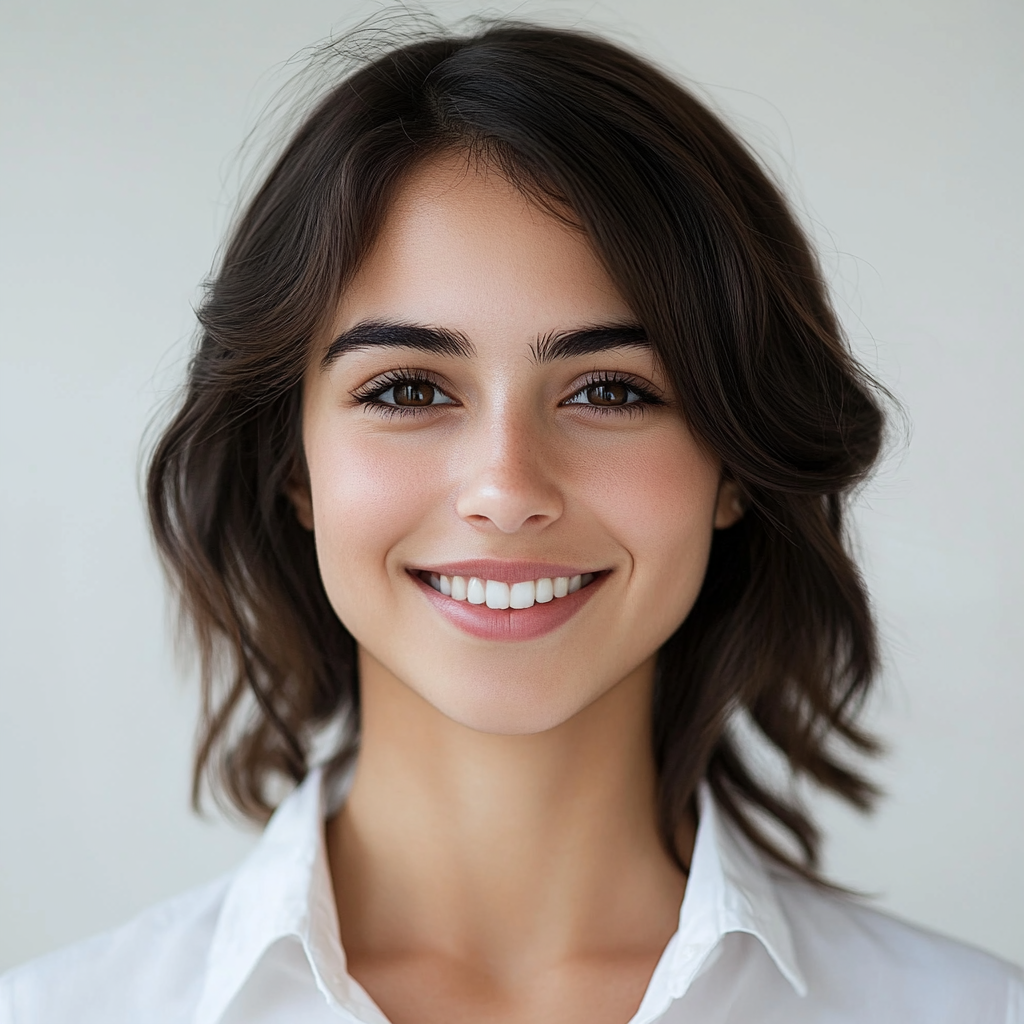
(754, 945)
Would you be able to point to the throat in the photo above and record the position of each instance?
(505, 856)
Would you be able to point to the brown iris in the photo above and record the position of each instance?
(417, 392)
(608, 394)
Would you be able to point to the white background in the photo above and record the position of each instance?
(897, 126)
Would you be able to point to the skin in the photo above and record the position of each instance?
(497, 858)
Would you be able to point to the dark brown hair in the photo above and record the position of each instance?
(711, 260)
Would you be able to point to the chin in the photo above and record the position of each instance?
(495, 719)
(508, 706)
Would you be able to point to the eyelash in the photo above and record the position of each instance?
(646, 397)
(369, 394)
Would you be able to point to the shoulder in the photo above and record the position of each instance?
(150, 969)
(853, 953)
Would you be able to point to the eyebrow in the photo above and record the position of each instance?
(588, 340)
(387, 334)
(441, 341)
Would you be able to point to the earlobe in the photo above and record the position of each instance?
(297, 491)
(730, 507)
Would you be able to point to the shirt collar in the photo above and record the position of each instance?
(729, 889)
(283, 889)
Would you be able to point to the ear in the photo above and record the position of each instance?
(730, 507)
(296, 489)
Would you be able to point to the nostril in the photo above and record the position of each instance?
(485, 505)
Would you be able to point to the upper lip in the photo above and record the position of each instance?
(502, 571)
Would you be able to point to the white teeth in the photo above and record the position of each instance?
(523, 594)
(497, 594)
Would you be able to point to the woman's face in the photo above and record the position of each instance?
(490, 425)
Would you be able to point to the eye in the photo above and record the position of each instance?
(612, 393)
(413, 394)
(402, 391)
(606, 394)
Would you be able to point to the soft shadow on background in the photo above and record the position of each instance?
(896, 126)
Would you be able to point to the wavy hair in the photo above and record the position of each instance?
(713, 263)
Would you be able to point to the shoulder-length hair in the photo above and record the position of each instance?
(711, 260)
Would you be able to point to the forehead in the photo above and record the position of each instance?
(463, 248)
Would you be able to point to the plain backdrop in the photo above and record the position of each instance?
(895, 125)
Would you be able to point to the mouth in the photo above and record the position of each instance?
(495, 600)
(499, 595)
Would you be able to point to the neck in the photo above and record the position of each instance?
(508, 852)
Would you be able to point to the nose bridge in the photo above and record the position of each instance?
(513, 441)
(507, 483)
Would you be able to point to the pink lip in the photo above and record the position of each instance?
(502, 571)
(511, 624)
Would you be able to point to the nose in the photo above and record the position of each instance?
(507, 480)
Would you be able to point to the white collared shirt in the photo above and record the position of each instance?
(754, 945)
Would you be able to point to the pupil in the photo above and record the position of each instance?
(608, 394)
(414, 394)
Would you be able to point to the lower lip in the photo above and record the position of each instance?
(509, 623)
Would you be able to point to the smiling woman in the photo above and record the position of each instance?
(486, 460)
(512, 466)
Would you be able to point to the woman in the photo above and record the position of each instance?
(514, 455)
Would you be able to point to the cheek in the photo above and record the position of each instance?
(658, 501)
(367, 495)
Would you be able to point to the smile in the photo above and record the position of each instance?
(493, 599)
(500, 595)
